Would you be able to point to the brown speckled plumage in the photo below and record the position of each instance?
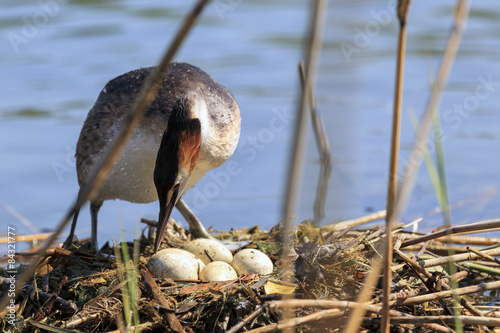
(131, 177)
(119, 94)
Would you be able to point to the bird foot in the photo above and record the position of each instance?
(68, 243)
(200, 233)
(86, 247)
(93, 249)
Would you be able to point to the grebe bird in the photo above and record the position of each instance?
(191, 127)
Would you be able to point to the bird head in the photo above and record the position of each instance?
(177, 156)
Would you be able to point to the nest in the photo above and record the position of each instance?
(80, 292)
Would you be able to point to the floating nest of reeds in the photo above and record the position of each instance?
(75, 291)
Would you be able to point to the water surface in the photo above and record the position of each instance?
(55, 58)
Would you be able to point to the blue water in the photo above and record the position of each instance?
(57, 55)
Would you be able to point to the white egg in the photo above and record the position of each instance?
(218, 271)
(175, 264)
(249, 261)
(216, 251)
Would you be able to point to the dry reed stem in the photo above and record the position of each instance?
(445, 294)
(26, 238)
(372, 239)
(402, 12)
(471, 240)
(474, 227)
(154, 327)
(445, 284)
(48, 328)
(4, 313)
(356, 222)
(485, 263)
(438, 249)
(323, 146)
(294, 177)
(345, 306)
(422, 133)
(398, 242)
(146, 96)
(15, 214)
(448, 260)
(454, 239)
(172, 320)
(367, 289)
(447, 280)
(415, 157)
(466, 320)
(288, 324)
(80, 320)
(414, 265)
(483, 255)
(364, 295)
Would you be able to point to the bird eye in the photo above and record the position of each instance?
(176, 186)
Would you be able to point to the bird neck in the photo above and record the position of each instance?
(189, 144)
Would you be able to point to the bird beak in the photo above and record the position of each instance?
(163, 219)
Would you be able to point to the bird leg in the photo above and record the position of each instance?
(94, 209)
(69, 240)
(195, 226)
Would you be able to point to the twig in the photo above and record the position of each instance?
(173, 322)
(245, 321)
(150, 223)
(53, 299)
(447, 284)
(146, 96)
(478, 226)
(428, 280)
(483, 255)
(446, 281)
(373, 238)
(414, 265)
(402, 11)
(405, 294)
(398, 242)
(80, 320)
(49, 328)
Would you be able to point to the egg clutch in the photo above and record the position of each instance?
(208, 260)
